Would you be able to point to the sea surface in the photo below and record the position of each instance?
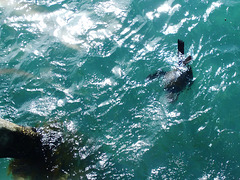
(83, 64)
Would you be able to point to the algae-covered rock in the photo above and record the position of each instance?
(18, 142)
(40, 154)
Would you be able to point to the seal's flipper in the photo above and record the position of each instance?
(187, 60)
(180, 46)
(180, 52)
(156, 74)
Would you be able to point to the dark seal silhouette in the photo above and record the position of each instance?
(179, 78)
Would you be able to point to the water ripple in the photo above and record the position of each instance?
(85, 63)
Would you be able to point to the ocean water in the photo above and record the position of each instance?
(84, 64)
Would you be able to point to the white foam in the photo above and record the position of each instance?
(117, 71)
(165, 8)
(213, 6)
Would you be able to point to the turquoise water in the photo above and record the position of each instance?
(84, 64)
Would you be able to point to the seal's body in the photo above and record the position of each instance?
(176, 80)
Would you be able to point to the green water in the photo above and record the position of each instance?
(85, 63)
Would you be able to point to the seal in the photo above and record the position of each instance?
(179, 78)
